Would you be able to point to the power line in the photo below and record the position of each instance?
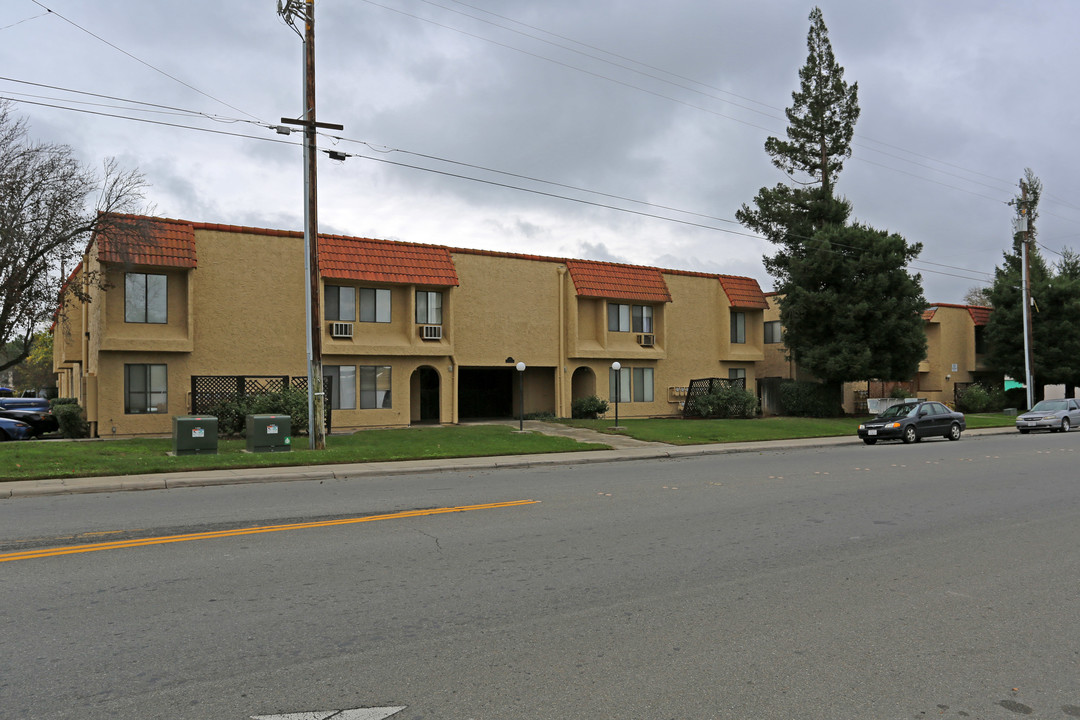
(140, 60)
(859, 136)
(502, 185)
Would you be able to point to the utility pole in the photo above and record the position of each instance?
(305, 9)
(1023, 227)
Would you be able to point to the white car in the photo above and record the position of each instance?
(1052, 415)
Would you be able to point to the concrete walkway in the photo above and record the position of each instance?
(623, 449)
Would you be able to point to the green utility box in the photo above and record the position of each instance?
(195, 435)
(269, 433)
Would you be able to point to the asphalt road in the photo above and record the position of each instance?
(932, 580)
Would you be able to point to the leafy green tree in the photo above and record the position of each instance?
(849, 309)
(44, 225)
(1055, 325)
(37, 370)
(1057, 330)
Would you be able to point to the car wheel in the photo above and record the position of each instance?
(1065, 425)
(910, 435)
(1023, 432)
(869, 441)
(954, 432)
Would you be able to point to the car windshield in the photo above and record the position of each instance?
(898, 410)
(1049, 406)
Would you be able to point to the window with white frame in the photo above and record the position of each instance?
(643, 384)
(738, 327)
(374, 305)
(342, 390)
(146, 298)
(146, 389)
(375, 387)
(428, 307)
(772, 332)
(630, 318)
(631, 384)
(339, 303)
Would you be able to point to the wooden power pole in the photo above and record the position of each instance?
(289, 9)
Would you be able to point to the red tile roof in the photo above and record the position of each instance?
(980, 315)
(743, 292)
(384, 261)
(136, 240)
(618, 282)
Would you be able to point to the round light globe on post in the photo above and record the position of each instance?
(618, 391)
(521, 396)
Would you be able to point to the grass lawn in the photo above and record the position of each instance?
(677, 431)
(34, 459)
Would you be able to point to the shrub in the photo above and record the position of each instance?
(543, 416)
(974, 399)
(70, 417)
(232, 414)
(588, 408)
(899, 392)
(809, 399)
(727, 401)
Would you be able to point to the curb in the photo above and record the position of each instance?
(213, 478)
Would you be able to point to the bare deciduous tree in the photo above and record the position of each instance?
(45, 223)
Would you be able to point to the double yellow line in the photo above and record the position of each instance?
(141, 542)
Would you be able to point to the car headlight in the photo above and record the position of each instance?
(862, 427)
(893, 425)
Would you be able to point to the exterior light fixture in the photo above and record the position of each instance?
(521, 396)
(618, 391)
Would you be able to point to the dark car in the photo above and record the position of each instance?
(14, 430)
(14, 403)
(41, 420)
(912, 422)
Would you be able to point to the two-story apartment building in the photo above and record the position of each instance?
(954, 357)
(410, 332)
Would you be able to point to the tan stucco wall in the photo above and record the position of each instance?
(241, 312)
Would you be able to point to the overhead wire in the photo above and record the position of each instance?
(859, 136)
(140, 60)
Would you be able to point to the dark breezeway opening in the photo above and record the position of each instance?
(486, 393)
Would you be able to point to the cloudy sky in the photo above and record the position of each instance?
(624, 131)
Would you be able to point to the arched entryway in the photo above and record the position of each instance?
(582, 383)
(424, 391)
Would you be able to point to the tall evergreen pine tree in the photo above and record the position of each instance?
(849, 309)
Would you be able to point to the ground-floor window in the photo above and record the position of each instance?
(631, 384)
(342, 390)
(375, 386)
(146, 389)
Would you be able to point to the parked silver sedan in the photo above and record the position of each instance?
(1052, 415)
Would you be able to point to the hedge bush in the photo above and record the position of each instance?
(588, 408)
(70, 417)
(974, 399)
(232, 414)
(809, 399)
(727, 401)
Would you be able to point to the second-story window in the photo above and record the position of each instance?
(630, 318)
(374, 305)
(772, 332)
(340, 303)
(738, 327)
(428, 307)
(146, 298)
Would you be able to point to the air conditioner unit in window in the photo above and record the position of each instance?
(646, 340)
(341, 330)
(431, 332)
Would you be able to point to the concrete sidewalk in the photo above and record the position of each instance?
(623, 449)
